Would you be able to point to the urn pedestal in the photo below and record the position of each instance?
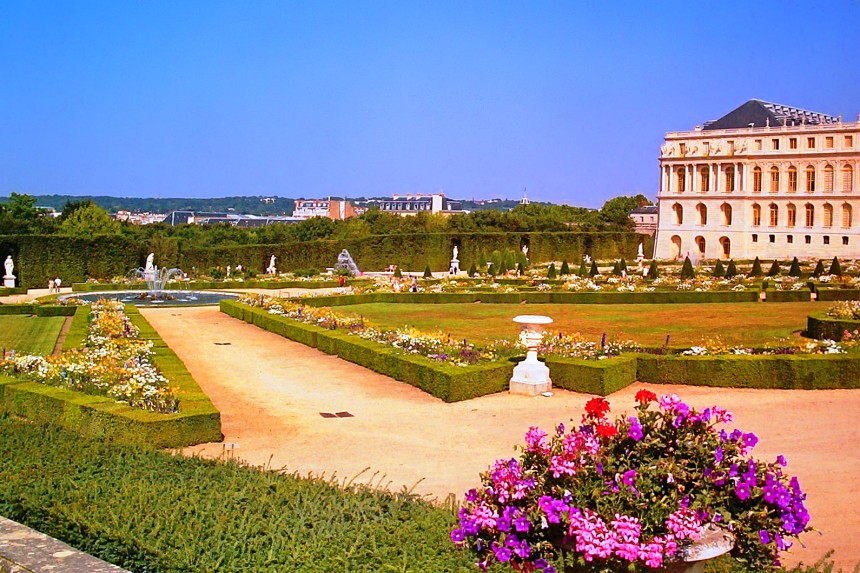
(531, 377)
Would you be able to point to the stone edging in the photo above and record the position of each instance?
(25, 550)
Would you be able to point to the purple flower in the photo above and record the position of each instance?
(742, 490)
(629, 478)
(764, 536)
(750, 440)
(457, 536)
(718, 454)
(635, 431)
(521, 524)
(780, 459)
(503, 554)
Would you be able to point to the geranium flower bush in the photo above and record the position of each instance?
(631, 494)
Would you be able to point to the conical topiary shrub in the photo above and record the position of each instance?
(774, 269)
(594, 271)
(616, 268)
(756, 269)
(794, 271)
(397, 272)
(472, 270)
(493, 270)
(719, 269)
(819, 269)
(835, 267)
(622, 265)
(565, 269)
(503, 269)
(583, 269)
(731, 270)
(653, 273)
(520, 270)
(427, 273)
(687, 271)
(550, 273)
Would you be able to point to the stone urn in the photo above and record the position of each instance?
(531, 377)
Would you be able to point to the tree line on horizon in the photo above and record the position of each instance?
(84, 218)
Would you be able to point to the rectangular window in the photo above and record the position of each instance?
(755, 238)
(849, 141)
(772, 238)
(828, 142)
(826, 240)
(757, 181)
(792, 181)
(758, 144)
(792, 143)
(810, 143)
(789, 239)
(792, 216)
(807, 239)
(845, 240)
(731, 145)
(774, 144)
(756, 216)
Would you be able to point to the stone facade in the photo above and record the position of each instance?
(765, 180)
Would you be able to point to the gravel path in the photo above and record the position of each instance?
(271, 392)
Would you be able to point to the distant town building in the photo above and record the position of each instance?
(331, 208)
(765, 180)
(212, 218)
(139, 218)
(645, 219)
(435, 203)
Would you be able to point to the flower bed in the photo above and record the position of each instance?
(840, 322)
(631, 494)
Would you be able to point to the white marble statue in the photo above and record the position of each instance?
(456, 252)
(271, 268)
(150, 262)
(526, 250)
(10, 266)
(641, 254)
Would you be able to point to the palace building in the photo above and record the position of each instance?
(764, 180)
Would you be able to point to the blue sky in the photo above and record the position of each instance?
(569, 100)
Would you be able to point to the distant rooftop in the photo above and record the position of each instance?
(758, 113)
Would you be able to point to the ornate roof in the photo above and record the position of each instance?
(758, 113)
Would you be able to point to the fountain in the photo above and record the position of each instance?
(156, 280)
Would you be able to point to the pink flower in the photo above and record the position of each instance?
(536, 441)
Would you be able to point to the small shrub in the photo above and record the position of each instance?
(719, 269)
(774, 269)
(756, 269)
(594, 270)
(397, 272)
(583, 269)
(794, 271)
(472, 270)
(835, 267)
(653, 271)
(819, 269)
(622, 265)
(550, 273)
(306, 272)
(216, 273)
(687, 271)
(493, 270)
(565, 269)
(731, 270)
(520, 270)
(427, 272)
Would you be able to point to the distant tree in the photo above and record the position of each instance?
(550, 273)
(774, 269)
(565, 268)
(794, 270)
(687, 271)
(731, 270)
(522, 260)
(616, 211)
(89, 220)
(427, 273)
(496, 258)
(19, 215)
(719, 269)
(819, 269)
(756, 270)
(835, 268)
(493, 270)
(653, 271)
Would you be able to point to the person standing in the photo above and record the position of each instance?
(57, 283)
(50, 286)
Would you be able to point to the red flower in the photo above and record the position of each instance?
(597, 407)
(643, 396)
(605, 430)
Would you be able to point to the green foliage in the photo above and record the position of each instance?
(503, 269)
(427, 272)
(594, 271)
(520, 270)
(310, 272)
(719, 269)
(397, 272)
(687, 271)
(496, 258)
(583, 269)
(622, 265)
(819, 269)
(616, 268)
(835, 267)
(550, 273)
(616, 211)
(187, 514)
(653, 271)
(87, 221)
(472, 270)
(29, 335)
(774, 269)
(493, 270)
(756, 270)
(565, 268)
(794, 270)
(522, 260)
(731, 269)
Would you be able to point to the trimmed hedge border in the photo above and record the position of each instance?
(209, 285)
(38, 309)
(819, 325)
(601, 377)
(836, 294)
(197, 421)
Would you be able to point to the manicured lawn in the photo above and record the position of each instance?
(30, 334)
(749, 323)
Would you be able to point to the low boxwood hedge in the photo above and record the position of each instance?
(197, 420)
(601, 377)
(37, 309)
(819, 325)
(835, 294)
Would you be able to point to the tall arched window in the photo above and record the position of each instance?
(756, 219)
(791, 215)
(810, 179)
(810, 215)
(792, 179)
(774, 215)
(847, 179)
(846, 215)
(682, 179)
(727, 247)
(726, 211)
(676, 247)
(705, 178)
(679, 213)
(828, 178)
(700, 244)
(774, 179)
(730, 179)
(703, 213)
(828, 215)
(757, 180)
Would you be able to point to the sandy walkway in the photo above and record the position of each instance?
(271, 392)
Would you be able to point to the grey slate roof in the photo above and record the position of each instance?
(758, 113)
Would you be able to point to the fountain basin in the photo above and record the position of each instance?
(163, 298)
